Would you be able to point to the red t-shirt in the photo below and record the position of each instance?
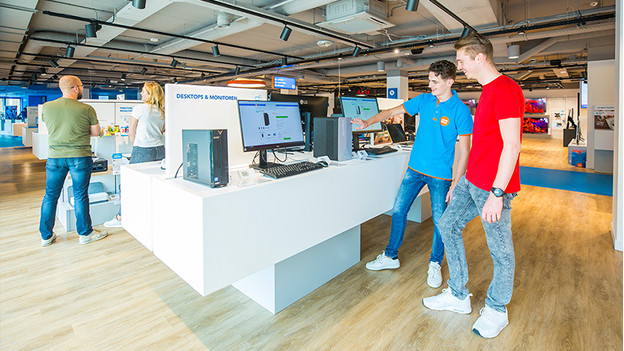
(501, 98)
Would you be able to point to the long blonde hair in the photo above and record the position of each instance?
(156, 96)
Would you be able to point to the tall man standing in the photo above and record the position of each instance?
(70, 125)
(443, 117)
(491, 182)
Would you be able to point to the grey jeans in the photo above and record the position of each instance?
(467, 203)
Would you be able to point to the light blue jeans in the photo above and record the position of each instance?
(466, 204)
(411, 185)
(56, 170)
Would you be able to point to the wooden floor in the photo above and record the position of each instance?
(115, 295)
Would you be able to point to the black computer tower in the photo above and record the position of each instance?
(332, 138)
(206, 156)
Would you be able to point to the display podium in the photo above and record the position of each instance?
(276, 240)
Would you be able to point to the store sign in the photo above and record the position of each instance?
(284, 83)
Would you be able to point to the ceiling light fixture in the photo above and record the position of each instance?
(381, 66)
(143, 71)
(215, 51)
(236, 70)
(356, 51)
(123, 77)
(285, 33)
(139, 4)
(174, 63)
(396, 51)
(53, 63)
(417, 51)
(284, 61)
(513, 51)
(246, 83)
(91, 29)
(69, 51)
(412, 5)
(324, 43)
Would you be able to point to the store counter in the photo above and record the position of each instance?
(276, 240)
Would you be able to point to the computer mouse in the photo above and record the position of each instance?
(323, 163)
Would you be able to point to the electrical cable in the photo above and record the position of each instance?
(176, 173)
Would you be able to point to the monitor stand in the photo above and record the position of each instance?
(263, 164)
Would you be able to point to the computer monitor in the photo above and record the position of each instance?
(316, 106)
(268, 125)
(397, 134)
(360, 107)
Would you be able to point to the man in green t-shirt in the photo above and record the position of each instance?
(70, 126)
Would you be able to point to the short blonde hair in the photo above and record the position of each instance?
(474, 44)
(156, 96)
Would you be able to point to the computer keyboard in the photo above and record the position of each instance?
(380, 150)
(288, 170)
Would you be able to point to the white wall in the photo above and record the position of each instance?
(601, 89)
(205, 107)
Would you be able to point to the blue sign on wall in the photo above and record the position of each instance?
(393, 93)
(284, 83)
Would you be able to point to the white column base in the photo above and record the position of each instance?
(280, 285)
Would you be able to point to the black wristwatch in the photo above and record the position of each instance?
(498, 192)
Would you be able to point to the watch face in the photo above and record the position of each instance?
(498, 192)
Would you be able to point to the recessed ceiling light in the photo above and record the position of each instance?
(396, 51)
(324, 43)
(593, 3)
(154, 40)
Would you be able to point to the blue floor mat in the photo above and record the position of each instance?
(591, 183)
(10, 141)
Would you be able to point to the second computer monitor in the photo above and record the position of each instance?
(269, 125)
(360, 107)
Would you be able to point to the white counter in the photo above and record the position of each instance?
(212, 238)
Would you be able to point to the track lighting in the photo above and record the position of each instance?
(143, 71)
(513, 51)
(174, 63)
(91, 29)
(236, 70)
(356, 51)
(69, 51)
(215, 51)
(412, 5)
(285, 33)
(381, 66)
(53, 63)
(465, 32)
(123, 77)
(284, 61)
(139, 4)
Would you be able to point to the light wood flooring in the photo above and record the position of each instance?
(115, 295)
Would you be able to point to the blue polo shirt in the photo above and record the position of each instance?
(440, 123)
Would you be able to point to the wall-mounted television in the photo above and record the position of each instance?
(535, 106)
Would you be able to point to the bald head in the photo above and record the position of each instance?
(68, 85)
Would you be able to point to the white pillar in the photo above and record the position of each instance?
(618, 142)
(398, 80)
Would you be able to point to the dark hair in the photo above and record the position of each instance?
(475, 44)
(443, 68)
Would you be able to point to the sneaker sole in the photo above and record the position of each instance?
(434, 286)
(48, 243)
(93, 240)
(476, 331)
(447, 309)
(381, 268)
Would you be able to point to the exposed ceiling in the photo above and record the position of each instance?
(555, 38)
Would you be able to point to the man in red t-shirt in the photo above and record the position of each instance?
(491, 182)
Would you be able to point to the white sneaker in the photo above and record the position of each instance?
(383, 262)
(48, 242)
(434, 275)
(490, 323)
(447, 302)
(113, 223)
(95, 235)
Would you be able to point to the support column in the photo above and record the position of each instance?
(396, 84)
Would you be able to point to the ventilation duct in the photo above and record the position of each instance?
(356, 16)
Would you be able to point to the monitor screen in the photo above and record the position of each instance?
(583, 94)
(316, 105)
(269, 125)
(358, 107)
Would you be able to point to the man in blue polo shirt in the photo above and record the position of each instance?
(443, 117)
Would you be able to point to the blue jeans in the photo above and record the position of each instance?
(466, 204)
(411, 185)
(147, 154)
(56, 170)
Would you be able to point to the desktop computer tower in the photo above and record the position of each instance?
(205, 156)
(333, 138)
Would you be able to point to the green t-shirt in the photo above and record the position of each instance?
(69, 122)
